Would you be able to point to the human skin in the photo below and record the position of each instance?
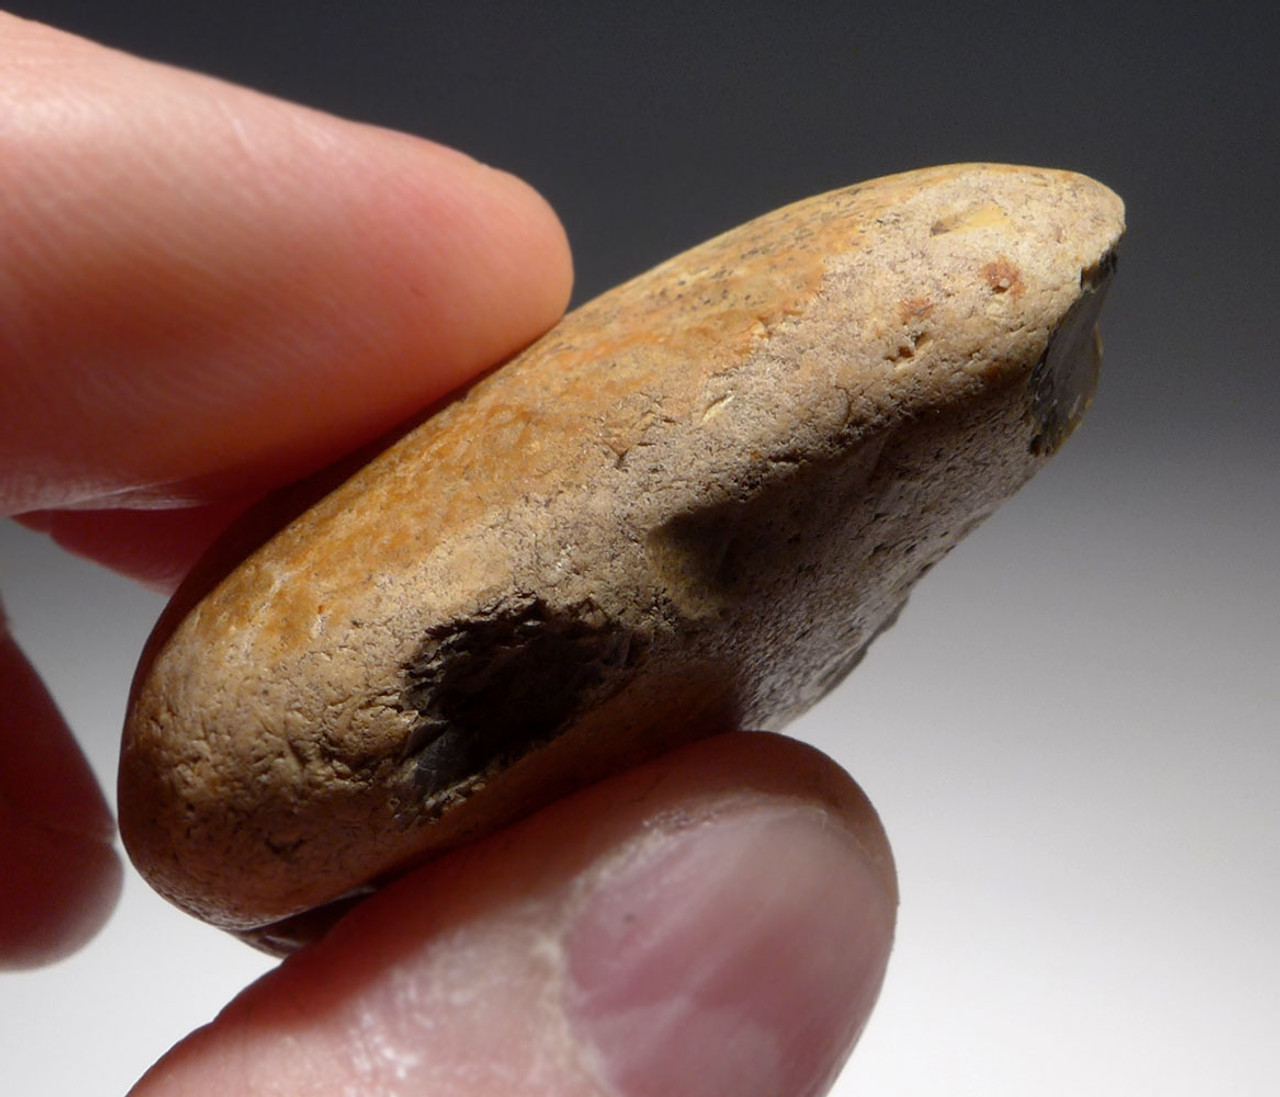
(206, 293)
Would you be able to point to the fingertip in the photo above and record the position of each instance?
(157, 548)
(484, 258)
(213, 292)
(60, 876)
(59, 889)
(532, 230)
(718, 921)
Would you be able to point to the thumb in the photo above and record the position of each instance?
(716, 922)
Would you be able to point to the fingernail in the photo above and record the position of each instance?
(741, 955)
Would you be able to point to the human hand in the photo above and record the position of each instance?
(205, 293)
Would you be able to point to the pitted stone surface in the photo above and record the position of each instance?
(690, 506)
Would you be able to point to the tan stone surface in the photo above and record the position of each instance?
(688, 507)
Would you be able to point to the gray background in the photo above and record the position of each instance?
(1071, 734)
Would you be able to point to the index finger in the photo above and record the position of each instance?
(205, 292)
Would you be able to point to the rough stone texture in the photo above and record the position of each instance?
(689, 507)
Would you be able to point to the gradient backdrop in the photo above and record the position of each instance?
(1072, 734)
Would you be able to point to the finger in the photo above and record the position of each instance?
(59, 875)
(716, 922)
(205, 292)
(155, 547)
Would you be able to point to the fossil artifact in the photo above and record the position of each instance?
(687, 508)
